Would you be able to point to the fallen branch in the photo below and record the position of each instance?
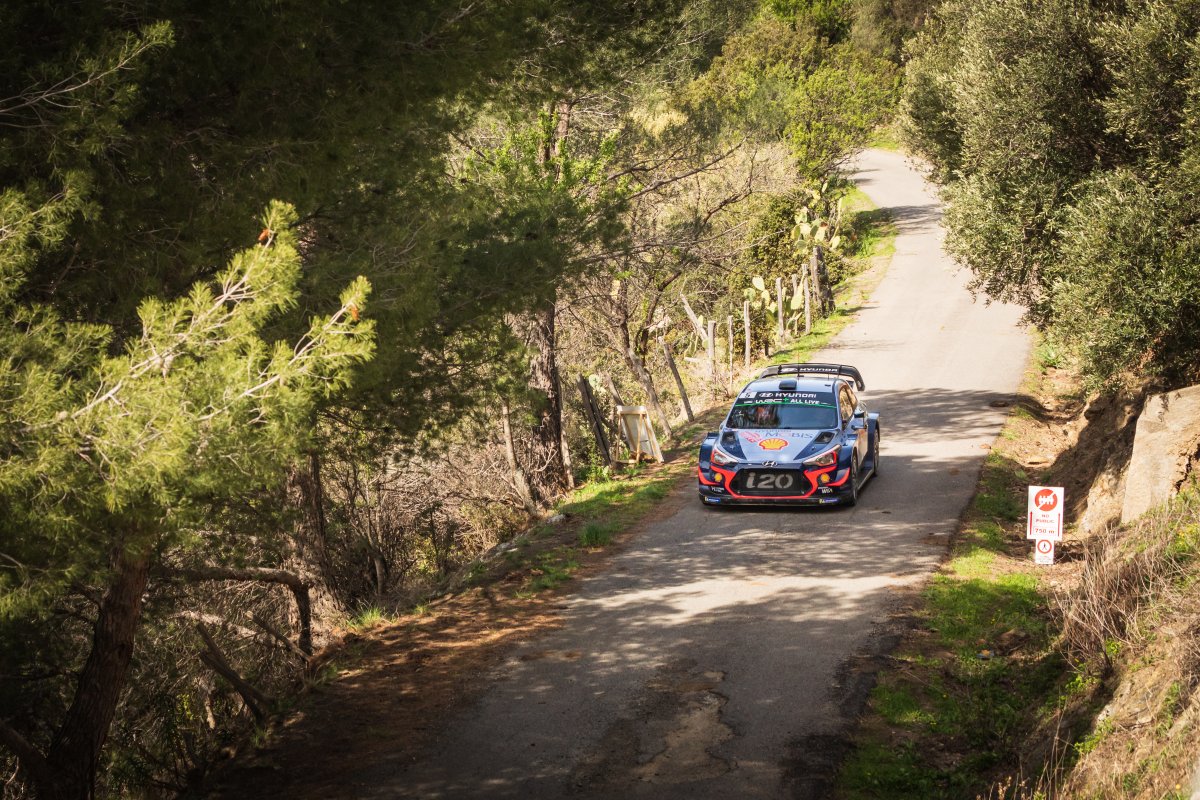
(255, 700)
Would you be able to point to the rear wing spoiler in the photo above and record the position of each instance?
(815, 369)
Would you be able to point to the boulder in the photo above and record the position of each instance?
(1164, 449)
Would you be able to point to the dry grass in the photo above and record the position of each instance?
(1136, 612)
(1128, 573)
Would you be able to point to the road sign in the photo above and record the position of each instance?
(1045, 520)
(1043, 552)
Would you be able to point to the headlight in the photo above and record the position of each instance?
(826, 459)
(724, 459)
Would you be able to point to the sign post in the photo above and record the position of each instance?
(1044, 523)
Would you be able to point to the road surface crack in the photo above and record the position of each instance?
(670, 739)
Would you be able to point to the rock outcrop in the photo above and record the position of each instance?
(1166, 449)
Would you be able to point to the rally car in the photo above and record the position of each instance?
(796, 435)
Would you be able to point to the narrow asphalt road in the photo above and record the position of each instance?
(711, 660)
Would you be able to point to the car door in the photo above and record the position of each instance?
(854, 426)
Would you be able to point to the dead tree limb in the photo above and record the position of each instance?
(298, 586)
(255, 700)
(278, 636)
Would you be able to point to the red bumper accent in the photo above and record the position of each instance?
(812, 475)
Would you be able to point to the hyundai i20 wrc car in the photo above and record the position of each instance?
(796, 435)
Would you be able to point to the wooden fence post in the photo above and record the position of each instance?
(820, 276)
(807, 305)
(712, 348)
(746, 328)
(779, 329)
(617, 401)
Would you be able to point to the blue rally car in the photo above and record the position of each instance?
(796, 435)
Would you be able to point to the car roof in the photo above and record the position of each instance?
(802, 384)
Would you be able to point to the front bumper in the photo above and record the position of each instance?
(816, 486)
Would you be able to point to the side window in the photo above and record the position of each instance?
(845, 404)
(853, 396)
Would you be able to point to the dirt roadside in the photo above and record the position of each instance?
(379, 692)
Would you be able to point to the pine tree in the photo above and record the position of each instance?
(110, 459)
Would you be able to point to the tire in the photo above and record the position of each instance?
(852, 500)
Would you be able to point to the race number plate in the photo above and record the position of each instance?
(771, 481)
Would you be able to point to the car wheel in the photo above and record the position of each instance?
(852, 500)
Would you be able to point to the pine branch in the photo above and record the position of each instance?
(55, 94)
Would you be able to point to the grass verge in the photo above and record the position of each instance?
(1034, 683)
(980, 666)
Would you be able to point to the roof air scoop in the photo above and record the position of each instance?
(787, 386)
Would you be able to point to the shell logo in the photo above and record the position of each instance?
(773, 444)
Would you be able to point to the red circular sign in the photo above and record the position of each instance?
(1045, 500)
(1045, 546)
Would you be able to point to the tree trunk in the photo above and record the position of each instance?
(547, 474)
(520, 483)
(257, 702)
(310, 553)
(647, 381)
(683, 396)
(69, 769)
(820, 277)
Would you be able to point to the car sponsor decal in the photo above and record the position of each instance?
(754, 437)
(774, 443)
(785, 396)
(783, 400)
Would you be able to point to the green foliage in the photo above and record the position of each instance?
(541, 207)
(1064, 133)
(1128, 286)
(787, 77)
(126, 450)
(597, 534)
(369, 617)
(830, 18)
(834, 108)
(881, 27)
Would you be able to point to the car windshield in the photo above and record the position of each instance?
(806, 415)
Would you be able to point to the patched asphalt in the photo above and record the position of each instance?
(726, 653)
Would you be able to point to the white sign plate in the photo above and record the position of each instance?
(1043, 551)
(1045, 519)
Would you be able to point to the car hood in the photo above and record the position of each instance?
(777, 445)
